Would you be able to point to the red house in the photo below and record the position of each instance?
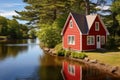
(84, 32)
(71, 71)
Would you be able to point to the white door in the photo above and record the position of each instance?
(98, 45)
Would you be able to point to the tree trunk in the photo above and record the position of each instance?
(54, 14)
(87, 7)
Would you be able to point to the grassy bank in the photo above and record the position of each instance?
(111, 58)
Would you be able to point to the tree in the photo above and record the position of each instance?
(115, 17)
(32, 33)
(16, 30)
(3, 26)
(49, 36)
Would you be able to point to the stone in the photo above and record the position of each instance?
(86, 59)
(93, 61)
(53, 52)
(46, 49)
(102, 64)
(113, 69)
(50, 51)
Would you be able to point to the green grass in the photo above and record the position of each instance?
(111, 58)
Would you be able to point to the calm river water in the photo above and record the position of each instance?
(25, 60)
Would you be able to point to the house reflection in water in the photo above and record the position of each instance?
(74, 71)
(71, 71)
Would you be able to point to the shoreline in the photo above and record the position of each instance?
(112, 70)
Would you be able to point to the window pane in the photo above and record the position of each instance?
(90, 40)
(71, 24)
(71, 40)
(97, 26)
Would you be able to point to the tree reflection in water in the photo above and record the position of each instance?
(13, 50)
(30, 63)
(50, 68)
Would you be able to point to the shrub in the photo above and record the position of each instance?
(61, 52)
(78, 55)
(111, 44)
(82, 55)
(67, 53)
(49, 36)
(58, 47)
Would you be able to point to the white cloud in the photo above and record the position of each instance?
(103, 8)
(8, 13)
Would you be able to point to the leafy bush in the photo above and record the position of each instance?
(58, 47)
(111, 43)
(68, 53)
(49, 36)
(78, 55)
(61, 52)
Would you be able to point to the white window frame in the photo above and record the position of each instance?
(102, 40)
(90, 40)
(71, 24)
(71, 69)
(97, 27)
(71, 42)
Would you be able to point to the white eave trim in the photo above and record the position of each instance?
(70, 14)
(107, 33)
(65, 23)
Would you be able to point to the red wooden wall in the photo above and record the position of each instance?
(71, 31)
(95, 33)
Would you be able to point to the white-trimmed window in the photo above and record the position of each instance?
(90, 40)
(97, 26)
(71, 40)
(71, 69)
(71, 24)
(102, 40)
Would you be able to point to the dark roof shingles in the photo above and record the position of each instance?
(81, 22)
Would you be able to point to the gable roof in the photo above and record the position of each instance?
(84, 22)
(90, 19)
(81, 22)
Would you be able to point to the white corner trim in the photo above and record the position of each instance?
(107, 33)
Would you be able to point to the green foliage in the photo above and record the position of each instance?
(61, 52)
(67, 53)
(78, 55)
(32, 33)
(111, 43)
(12, 29)
(16, 30)
(3, 26)
(49, 36)
(47, 11)
(58, 47)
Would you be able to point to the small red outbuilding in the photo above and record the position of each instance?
(84, 32)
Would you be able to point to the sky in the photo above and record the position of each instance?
(8, 7)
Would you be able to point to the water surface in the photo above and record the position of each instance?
(24, 59)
